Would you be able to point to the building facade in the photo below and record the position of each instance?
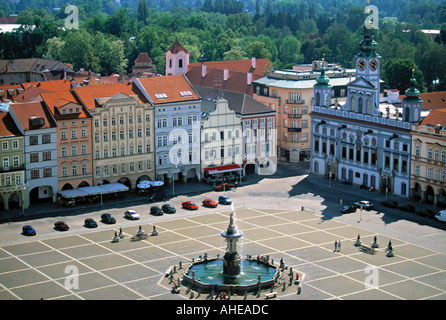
(122, 134)
(74, 159)
(177, 113)
(39, 131)
(357, 141)
(13, 192)
(290, 93)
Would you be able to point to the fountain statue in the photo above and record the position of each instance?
(231, 259)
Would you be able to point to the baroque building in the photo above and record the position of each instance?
(361, 141)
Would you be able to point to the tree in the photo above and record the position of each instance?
(54, 49)
(236, 53)
(143, 11)
(257, 49)
(398, 72)
(289, 51)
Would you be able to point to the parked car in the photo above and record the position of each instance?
(62, 226)
(189, 205)
(345, 181)
(441, 216)
(224, 199)
(108, 218)
(407, 207)
(389, 203)
(167, 208)
(426, 213)
(224, 186)
(131, 214)
(364, 204)
(210, 203)
(27, 230)
(156, 211)
(90, 223)
(348, 209)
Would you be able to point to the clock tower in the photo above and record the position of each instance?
(368, 61)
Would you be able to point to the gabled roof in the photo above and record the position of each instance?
(55, 100)
(240, 103)
(87, 95)
(143, 57)
(167, 89)
(431, 100)
(177, 47)
(23, 111)
(32, 65)
(29, 95)
(362, 82)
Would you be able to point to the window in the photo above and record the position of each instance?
(73, 134)
(84, 168)
(105, 136)
(96, 137)
(15, 161)
(177, 121)
(33, 140)
(130, 119)
(74, 170)
(139, 133)
(96, 123)
(46, 155)
(417, 170)
(35, 174)
(443, 156)
(429, 153)
(83, 133)
(46, 138)
(161, 123)
(64, 171)
(105, 122)
(15, 144)
(34, 157)
(5, 145)
(113, 121)
(437, 155)
(417, 151)
(73, 150)
(429, 173)
(5, 162)
(131, 134)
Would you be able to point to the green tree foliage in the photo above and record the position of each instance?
(111, 34)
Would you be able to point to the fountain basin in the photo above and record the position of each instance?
(208, 275)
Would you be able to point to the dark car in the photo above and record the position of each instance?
(167, 208)
(90, 223)
(407, 207)
(28, 230)
(107, 218)
(62, 226)
(156, 211)
(224, 200)
(157, 196)
(426, 213)
(348, 209)
(389, 203)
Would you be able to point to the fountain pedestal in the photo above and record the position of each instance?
(231, 259)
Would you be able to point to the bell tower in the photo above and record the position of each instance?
(177, 59)
(412, 102)
(322, 89)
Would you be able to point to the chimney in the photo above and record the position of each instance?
(253, 62)
(203, 70)
(249, 78)
(225, 74)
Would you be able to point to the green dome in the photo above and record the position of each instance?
(413, 92)
(322, 80)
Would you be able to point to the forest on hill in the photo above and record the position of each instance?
(111, 33)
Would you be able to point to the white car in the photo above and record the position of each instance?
(131, 214)
(364, 204)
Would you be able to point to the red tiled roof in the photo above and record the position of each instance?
(88, 94)
(30, 94)
(243, 66)
(168, 89)
(177, 47)
(54, 100)
(23, 111)
(143, 57)
(52, 85)
(435, 117)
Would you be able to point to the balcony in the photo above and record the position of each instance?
(289, 101)
(294, 116)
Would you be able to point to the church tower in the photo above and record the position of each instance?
(322, 90)
(368, 61)
(412, 102)
(177, 59)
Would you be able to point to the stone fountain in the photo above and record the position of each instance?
(231, 259)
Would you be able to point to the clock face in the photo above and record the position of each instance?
(373, 65)
(361, 65)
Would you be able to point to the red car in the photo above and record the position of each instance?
(62, 226)
(189, 205)
(210, 203)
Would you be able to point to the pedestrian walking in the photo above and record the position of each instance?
(339, 246)
(336, 246)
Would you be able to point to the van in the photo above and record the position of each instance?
(441, 216)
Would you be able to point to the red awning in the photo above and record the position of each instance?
(221, 169)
